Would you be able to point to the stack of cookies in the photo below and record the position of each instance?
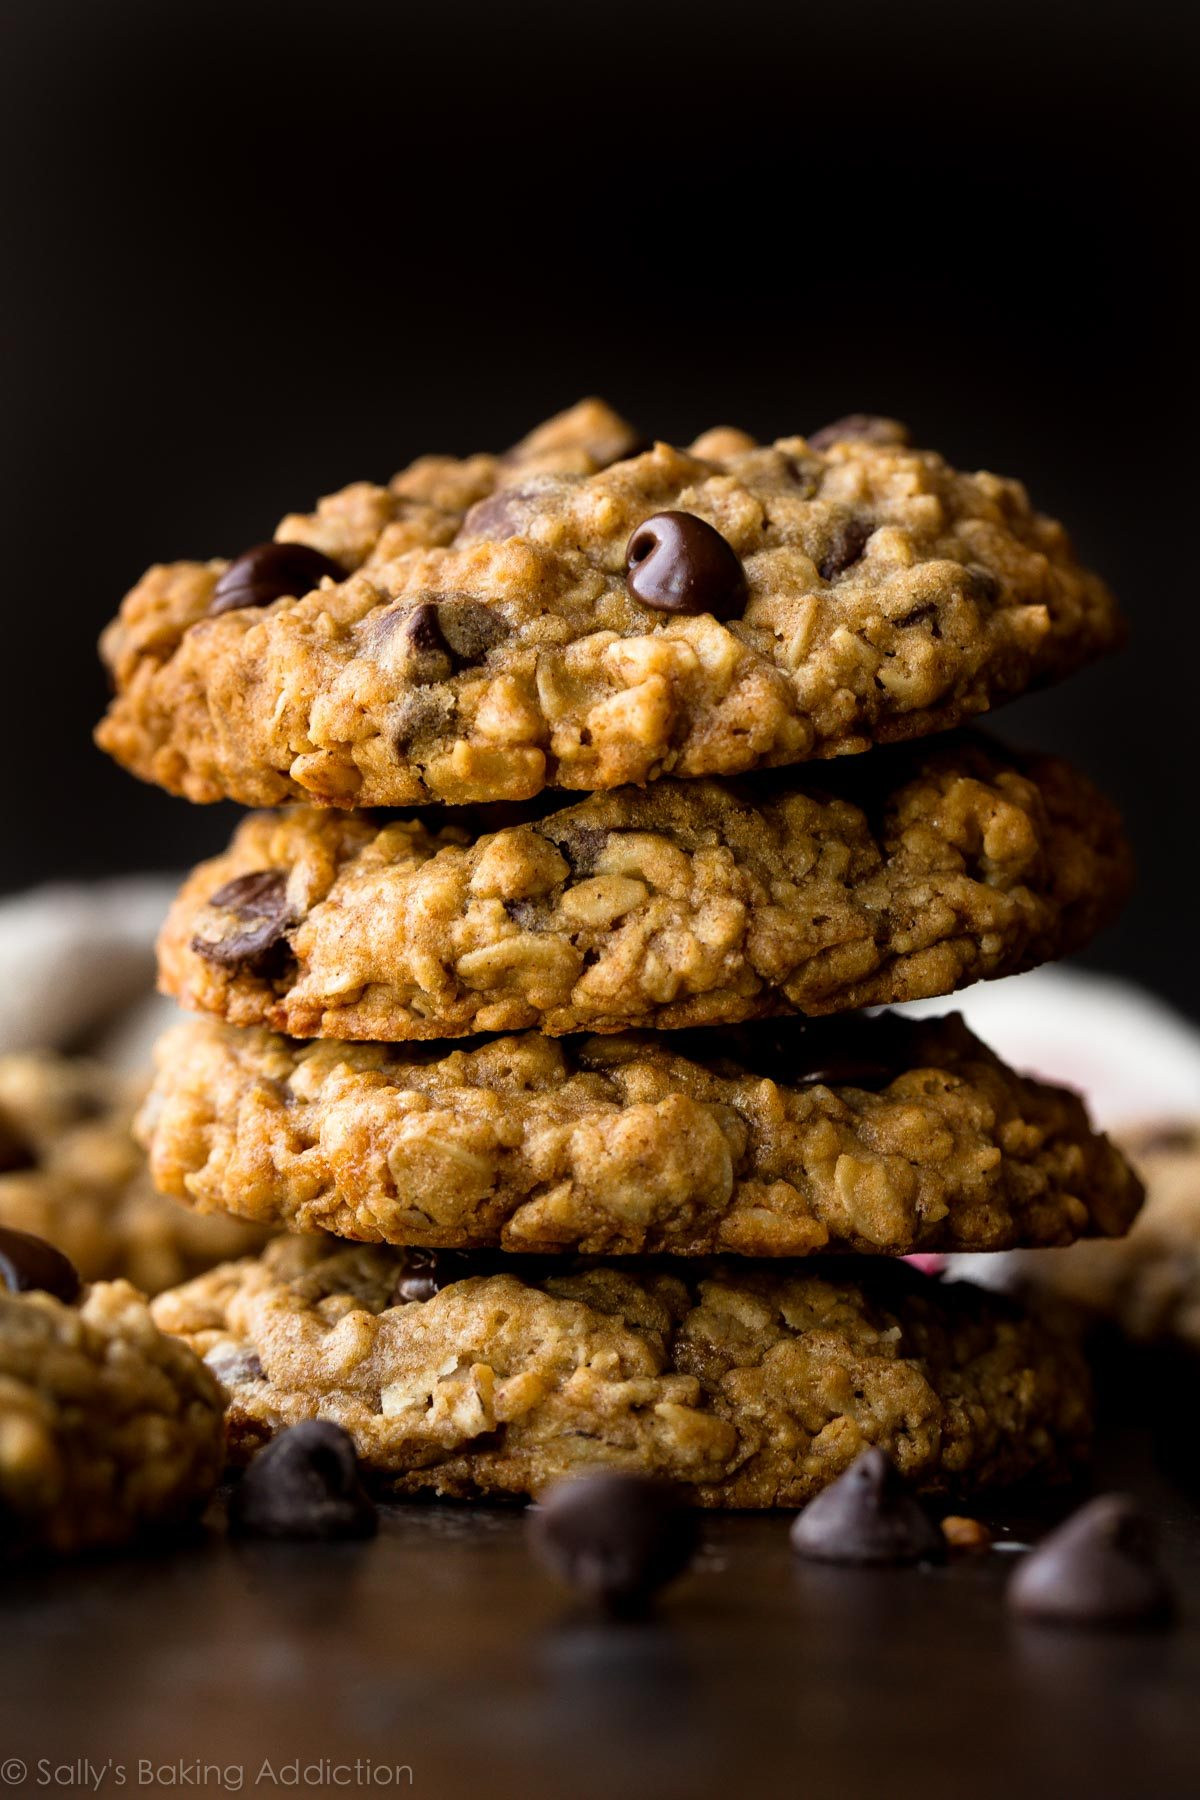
(558, 1077)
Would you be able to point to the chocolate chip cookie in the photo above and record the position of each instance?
(71, 1172)
(584, 613)
(108, 1428)
(895, 877)
(863, 1134)
(753, 1384)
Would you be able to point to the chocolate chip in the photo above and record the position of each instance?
(677, 563)
(470, 630)
(1099, 1568)
(233, 1364)
(847, 1050)
(846, 545)
(29, 1263)
(261, 949)
(980, 585)
(525, 913)
(616, 1539)
(268, 572)
(868, 427)
(16, 1152)
(503, 514)
(427, 1272)
(304, 1484)
(424, 712)
(867, 1516)
(423, 633)
(580, 844)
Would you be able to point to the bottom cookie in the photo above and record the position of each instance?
(754, 1384)
(108, 1428)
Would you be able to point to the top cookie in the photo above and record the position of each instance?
(581, 614)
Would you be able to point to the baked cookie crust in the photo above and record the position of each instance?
(754, 1385)
(870, 1135)
(485, 643)
(899, 877)
(108, 1428)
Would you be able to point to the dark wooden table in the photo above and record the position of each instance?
(439, 1648)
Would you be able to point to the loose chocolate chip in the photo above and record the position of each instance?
(28, 1263)
(980, 585)
(15, 1150)
(616, 1539)
(261, 949)
(268, 572)
(868, 427)
(304, 1484)
(847, 544)
(867, 1516)
(677, 563)
(1098, 1569)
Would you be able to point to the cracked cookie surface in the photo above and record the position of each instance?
(753, 1384)
(108, 1427)
(486, 644)
(875, 1135)
(70, 1172)
(897, 877)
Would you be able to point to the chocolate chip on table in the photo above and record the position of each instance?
(261, 948)
(847, 544)
(268, 572)
(29, 1264)
(1099, 1569)
(304, 1484)
(614, 1538)
(677, 563)
(870, 428)
(867, 1516)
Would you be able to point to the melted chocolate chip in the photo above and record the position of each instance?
(868, 427)
(677, 563)
(980, 585)
(15, 1150)
(261, 949)
(268, 572)
(470, 630)
(423, 633)
(847, 544)
(503, 514)
(1098, 1569)
(29, 1263)
(867, 1516)
(425, 712)
(847, 1050)
(615, 1539)
(580, 844)
(304, 1484)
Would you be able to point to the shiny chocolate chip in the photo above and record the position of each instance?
(1098, 1569)
(29, 1263)
(614, 1539)
(869, 428)
(268, 572)
(846, 544)
(304, 1484)
(677, 563)
(260, 904)
(867, 1516)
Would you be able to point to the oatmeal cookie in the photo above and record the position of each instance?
(1148, 1283)
(896, 877)
(754, 1384)
(576, 615)
(851, 1134)
(70, 1172)
(108, 1428)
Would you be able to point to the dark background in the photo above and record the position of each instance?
(256, 250)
